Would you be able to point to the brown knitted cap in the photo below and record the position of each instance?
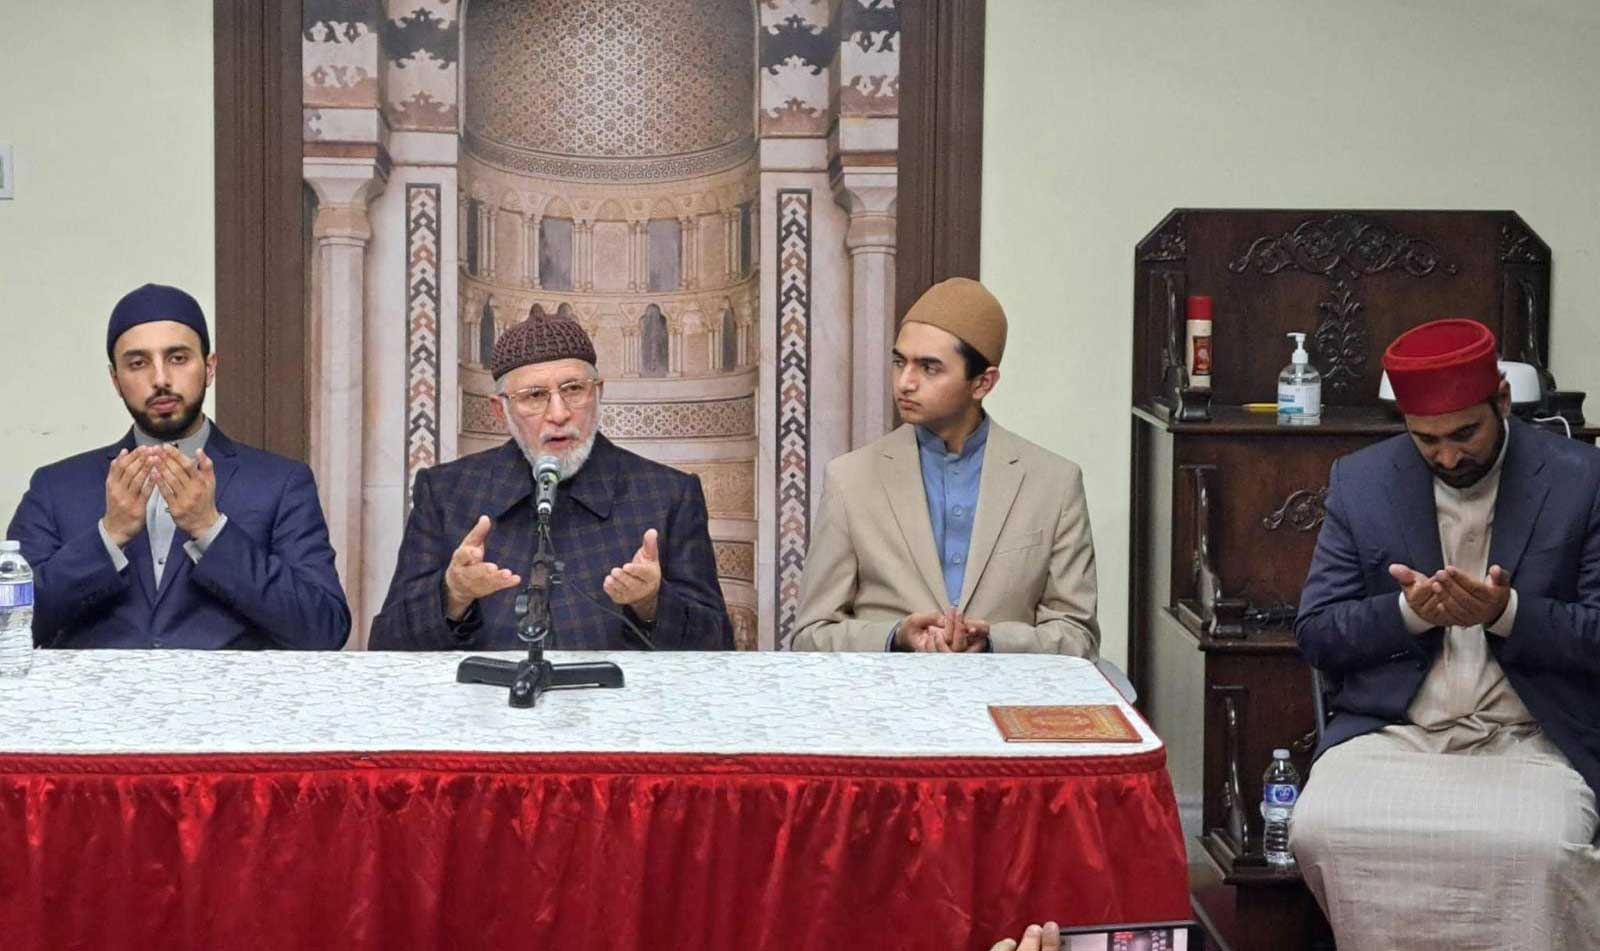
(540, 339)
(965, 308)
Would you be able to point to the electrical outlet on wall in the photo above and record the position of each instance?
(8, 172)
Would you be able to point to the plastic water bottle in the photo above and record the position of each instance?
(16, 611)
(1280, 788)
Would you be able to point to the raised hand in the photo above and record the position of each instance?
(128, 488)
(637, 583)
(1419, 592)
(1467, 600)
(1452, 597)
(189, 486)
(469, 577)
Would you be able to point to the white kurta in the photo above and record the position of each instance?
(1467, 827)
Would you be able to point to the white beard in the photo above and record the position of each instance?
(568, 464)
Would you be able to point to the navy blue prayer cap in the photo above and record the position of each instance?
(154, 302)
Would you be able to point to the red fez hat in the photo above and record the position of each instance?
(1442, 366)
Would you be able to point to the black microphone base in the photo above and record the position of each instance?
(528, 678)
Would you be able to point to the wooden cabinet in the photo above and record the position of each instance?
(1226, 504)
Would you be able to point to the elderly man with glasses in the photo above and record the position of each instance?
(630, 533)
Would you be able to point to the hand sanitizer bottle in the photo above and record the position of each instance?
(1299, 389)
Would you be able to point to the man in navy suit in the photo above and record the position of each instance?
(632, 533)
(176, 536)
(1454, 604)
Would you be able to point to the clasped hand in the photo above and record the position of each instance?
(943, 632)
(1452, 597)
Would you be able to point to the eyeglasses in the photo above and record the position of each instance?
(533, 401)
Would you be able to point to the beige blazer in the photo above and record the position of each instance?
(1030, 568)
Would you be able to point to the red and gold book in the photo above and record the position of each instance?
(1088, 723)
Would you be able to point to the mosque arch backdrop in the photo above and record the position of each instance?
(708, 186)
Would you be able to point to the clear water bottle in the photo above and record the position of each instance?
(1280, 788)
(16, 611)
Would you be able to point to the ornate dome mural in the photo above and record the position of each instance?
(610, 88)
(599, 158)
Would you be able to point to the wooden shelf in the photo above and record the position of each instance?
(1267, 640)
(1240, 869)
(1254, 919)
(1233, 420)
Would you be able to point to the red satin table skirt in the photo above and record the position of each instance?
(442, 850)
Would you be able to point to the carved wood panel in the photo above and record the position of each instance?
(1258, 547)
(1351, 280)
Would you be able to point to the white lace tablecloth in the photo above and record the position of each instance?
(118, 702)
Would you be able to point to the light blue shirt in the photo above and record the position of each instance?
(950, 481)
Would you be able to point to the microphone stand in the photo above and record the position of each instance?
(534, 675)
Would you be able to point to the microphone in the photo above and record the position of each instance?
(547, 474)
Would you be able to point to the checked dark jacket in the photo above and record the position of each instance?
(599, 521)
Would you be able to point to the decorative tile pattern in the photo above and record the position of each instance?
(478, 419)
(795, 48)
(423, 242)
(420, 33)
(869, 58)
(610, 78)
(339, 52)
(793, 448)
(625, 171)
(730, 487)
(735, 417)
(736, 560)
(420, 52)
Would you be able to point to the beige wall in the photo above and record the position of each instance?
(107, 106)
(1100, 117)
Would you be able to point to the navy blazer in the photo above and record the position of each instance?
(599, 521)
(266, 581)
(1546, 535)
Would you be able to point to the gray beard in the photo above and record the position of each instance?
(569, 464)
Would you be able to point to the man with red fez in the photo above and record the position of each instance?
(1454, 606)
(175, 535)
(950, 533)
(632, 534)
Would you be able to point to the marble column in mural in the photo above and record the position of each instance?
(633, 256)
(583, 256)
(491, 219)
(341, 232)
(641, 255)
(519, 258)
(730, 246)
(689, 261)
(869, 197)
(534, 222)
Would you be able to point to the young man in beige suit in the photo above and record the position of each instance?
(950, 533)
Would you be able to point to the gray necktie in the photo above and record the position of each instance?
(158, 520)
